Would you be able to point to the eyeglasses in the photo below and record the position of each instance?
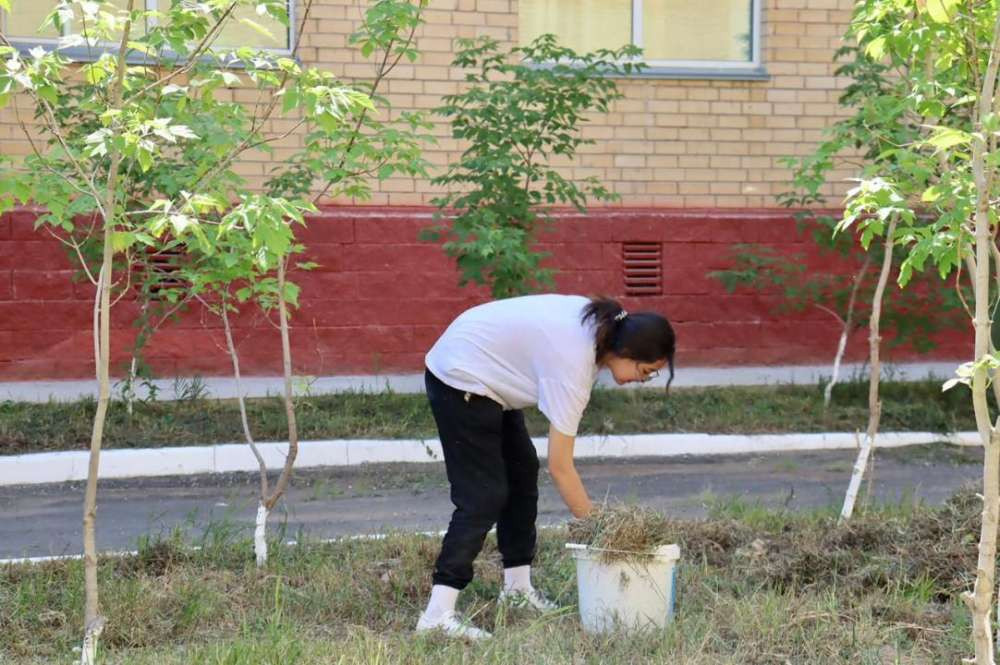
(646, 376)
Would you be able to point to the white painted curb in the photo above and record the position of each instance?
(57, 467)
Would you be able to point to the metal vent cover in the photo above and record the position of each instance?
(643, 266)
(165, 265)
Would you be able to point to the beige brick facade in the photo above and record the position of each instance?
(676, 143)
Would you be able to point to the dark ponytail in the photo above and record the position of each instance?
(643, 336)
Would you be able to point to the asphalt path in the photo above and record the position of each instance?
(44, 520)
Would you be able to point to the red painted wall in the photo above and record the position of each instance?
(381, 297)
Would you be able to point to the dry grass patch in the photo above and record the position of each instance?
(755, 587)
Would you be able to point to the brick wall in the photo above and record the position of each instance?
(380, 297)
(696, 163)
(691, 143)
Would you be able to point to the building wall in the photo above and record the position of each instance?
(695, 161)
(380, 297)
(677, 143)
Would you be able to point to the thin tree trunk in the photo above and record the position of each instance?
(260, 535)
(981, 597)
(845, 333)
(93, 622)
(874, 404)
(995, 377)
(835, 376)
(130, 387)
(286, 358)
(970, 264)
(260, 525)
(268, 501)
(980, 600)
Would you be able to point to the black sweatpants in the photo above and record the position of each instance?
(493, 471)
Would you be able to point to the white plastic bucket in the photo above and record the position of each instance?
(628, 594)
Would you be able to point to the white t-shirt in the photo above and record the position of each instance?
(520, 352)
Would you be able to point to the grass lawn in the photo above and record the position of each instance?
(919, 406)
(756, 586)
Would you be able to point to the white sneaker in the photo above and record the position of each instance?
(531, 598)
(452, 625)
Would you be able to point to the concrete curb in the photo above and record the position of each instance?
(58, 467)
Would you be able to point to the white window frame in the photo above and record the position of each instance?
(85, 54)
(702, 69)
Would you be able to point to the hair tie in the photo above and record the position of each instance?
(621, 315)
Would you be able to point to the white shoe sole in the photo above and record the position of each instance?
(456, 633)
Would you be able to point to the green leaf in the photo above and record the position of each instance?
(948, 137)
(95, 73)
(121, 240)
(940, 11)
(5, 5)
(292, 294)
(931, 194)
(145, 239)
(145, 160)
(876, 48)
(289, 100)
(49, 94)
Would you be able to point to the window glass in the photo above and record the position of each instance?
(582, 25)
(27, 16)
(696, 30)
(238, 33)
(25, 19)
(672, 30)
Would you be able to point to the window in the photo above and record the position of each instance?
(680, 38)
(22, 25)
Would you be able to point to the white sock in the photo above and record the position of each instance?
(517, 578)
(442, 600)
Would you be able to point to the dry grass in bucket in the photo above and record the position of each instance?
(621, 532)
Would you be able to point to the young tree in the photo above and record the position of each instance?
(519, 111)
(253, 266)
(875, 373)
(135, 149)
(888, 116)
(930, 189)
(344, 161)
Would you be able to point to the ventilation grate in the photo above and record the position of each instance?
(643, 264)
(164, 268)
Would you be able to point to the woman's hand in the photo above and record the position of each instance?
(564, 474)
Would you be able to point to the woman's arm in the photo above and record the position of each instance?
(564, 473)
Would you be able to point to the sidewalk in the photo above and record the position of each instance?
(687, 377)
(67, 466)
(44, 520)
